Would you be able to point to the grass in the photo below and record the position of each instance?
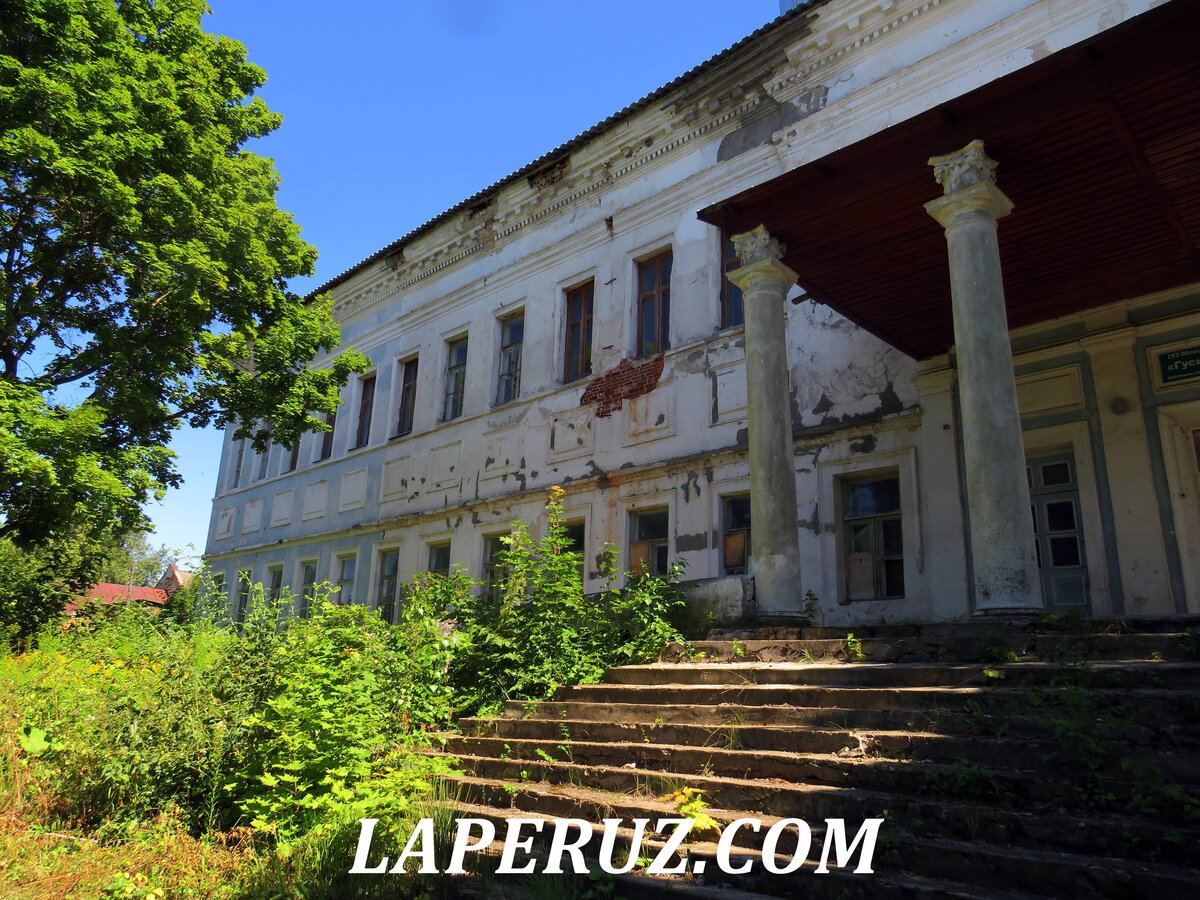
(61, 866)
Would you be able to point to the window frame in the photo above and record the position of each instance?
(509, 350)
(406, 403)
(235, 480)
(492, 572)
(302, 605)
(436, 546)
(660, 294)
(325, 448)
(726, 531)
(242, 600)
(366, 409)
(586, 291)
(388, 606)
(341, 559)
(636, 540)
(454, 398)
(876, 522)
(729, 290)
(274, 574)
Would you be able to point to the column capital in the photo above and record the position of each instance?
(769, 271)
(757, 244)
(981, 198)
(968, 178)
(963, 168)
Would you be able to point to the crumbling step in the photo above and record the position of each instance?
(987, 699)
(836, 884)
(528, 783)
(1147, 725)
(1031, 787)
(990, 649)
(898, 856)
(734, 735)
(990, 630)
(1097, 675)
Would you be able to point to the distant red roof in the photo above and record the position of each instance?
(107, 592)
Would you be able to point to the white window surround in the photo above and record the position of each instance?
(830, 476)
(1074, 438)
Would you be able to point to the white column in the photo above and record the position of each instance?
(774, 530)
(1002, 542)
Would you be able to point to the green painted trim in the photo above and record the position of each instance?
(1059, 334)
(1151, 401)
(1090, 415)
(1165, 309)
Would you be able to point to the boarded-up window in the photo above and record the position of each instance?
(736, 546)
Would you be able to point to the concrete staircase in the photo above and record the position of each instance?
(1005, 763)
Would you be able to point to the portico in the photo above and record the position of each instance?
(1097, 148)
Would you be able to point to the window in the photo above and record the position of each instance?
(408, 396)
(732, 313)
(578, 361)
(512, 336)
(308, 587)
(439, 558)
(327, 437)
(218, 587)
(275, 582)
(235, 478)
(654, 305)
(263, 459)
(736, 547)
(347, 567)
(577, 543)
(366, 406)
(874, 539)
(456, 378)
(293, 456)
(243, 596)
(387, 591)
(493, 571)
(648, 553)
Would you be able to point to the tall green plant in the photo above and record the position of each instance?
(544, 632)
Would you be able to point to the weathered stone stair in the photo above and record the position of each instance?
(1005, 763)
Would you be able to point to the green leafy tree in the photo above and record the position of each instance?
(132, 559)
(144, 262)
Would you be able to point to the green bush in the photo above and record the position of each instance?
(544, 632)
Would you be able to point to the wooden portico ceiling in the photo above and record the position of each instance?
(1098, 148)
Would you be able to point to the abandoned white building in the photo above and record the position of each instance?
(847, 414)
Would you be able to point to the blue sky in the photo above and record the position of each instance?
(395, 111)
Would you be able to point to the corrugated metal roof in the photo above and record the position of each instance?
(573, 143)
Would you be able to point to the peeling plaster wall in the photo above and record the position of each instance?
(676, 441)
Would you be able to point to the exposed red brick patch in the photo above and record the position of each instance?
(628, 380)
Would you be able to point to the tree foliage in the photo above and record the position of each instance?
(144, 262)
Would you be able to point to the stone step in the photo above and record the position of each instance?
(1044, 625)
(876, 743)
(1034, 788)
(984, 699)
(1028, 674)
(569, 789)
(990, 649)
(836, 884)
(1035, 872)
(1147, 725)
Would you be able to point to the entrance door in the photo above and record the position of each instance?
(1058, 529)
(1180, 429)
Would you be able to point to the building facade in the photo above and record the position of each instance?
(716, 298)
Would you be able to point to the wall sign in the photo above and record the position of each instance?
(1179, 365)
